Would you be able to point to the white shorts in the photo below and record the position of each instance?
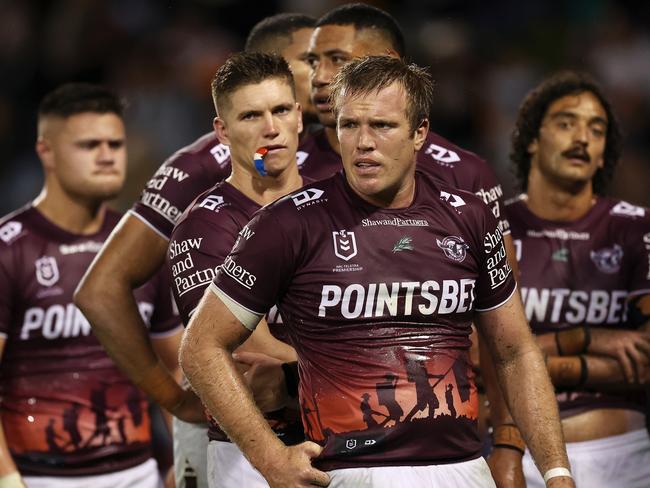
(469, 474)
(621, 461)
(143, 475)
(229, 468)
(190, 454)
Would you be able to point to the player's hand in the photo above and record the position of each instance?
(561, 482)
(189, 408)
(265, 378)
(630, 348)
(507, 471)
(292, 468)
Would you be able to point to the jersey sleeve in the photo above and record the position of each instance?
(5, 290)
(254, 276)
(496, 282)
(198, 246)
(165, 319)
(639, 248)
(177, 183)
(490, 191)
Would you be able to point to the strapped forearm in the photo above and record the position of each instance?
(600, 373)
(567, 342)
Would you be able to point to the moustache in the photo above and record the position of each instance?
(577, 153)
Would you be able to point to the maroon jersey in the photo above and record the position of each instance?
(378, 304)
(583, 272)
(198, 246)
(66, 408)
(444, 161)
(186, 174)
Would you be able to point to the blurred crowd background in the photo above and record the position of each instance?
(161, 54)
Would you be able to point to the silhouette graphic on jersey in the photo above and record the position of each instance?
(134, 406)
(386, 397)
(99, 408)
(416, 372)
(70, 425)
(449, 397)
(51, 436)
(368, 412)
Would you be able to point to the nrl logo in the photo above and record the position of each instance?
(454, 247)
(345, 244)
(608, 260)
(404, 244)
(47, 271)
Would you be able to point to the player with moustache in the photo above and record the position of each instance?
(256, 112)
(585, 281)
(137, 249)
(70, 418)
(380, 315)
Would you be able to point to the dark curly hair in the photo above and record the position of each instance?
(532, 111)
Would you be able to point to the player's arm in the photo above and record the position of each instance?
(9, 475)
(206, 358)
(131, 256)
(520, 369)
(166, 348)
(629, 348)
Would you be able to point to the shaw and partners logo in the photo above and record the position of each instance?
(454, 247)
(345, 244)
(238, 273)
(47, 271)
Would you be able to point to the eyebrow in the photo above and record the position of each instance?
(563, 113)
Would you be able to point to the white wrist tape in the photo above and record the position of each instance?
(556, 473)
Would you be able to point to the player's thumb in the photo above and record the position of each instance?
(248, 358)
(311, 449)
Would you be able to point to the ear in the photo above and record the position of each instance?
(299, 110)
(420, 134)
(533, 146)
(391, 53)
(221, 131)
(45, 153)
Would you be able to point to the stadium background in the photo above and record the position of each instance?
(160, 55)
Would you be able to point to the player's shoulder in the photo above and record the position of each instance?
(212, 205)
(449, 195)
(447, 154)
(621, 210)
(310, 199)
(16, 225)
(205, 152)
(620, 217)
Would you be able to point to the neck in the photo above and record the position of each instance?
(550, 201)
(401, 197)
(74, 215)
(264, 189)
(332, 139)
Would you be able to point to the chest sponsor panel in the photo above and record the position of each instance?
(550, 307)
(397, 299)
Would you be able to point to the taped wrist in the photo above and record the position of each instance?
(573, 341)
(291, 378)
(568, 372)
(509, 437)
